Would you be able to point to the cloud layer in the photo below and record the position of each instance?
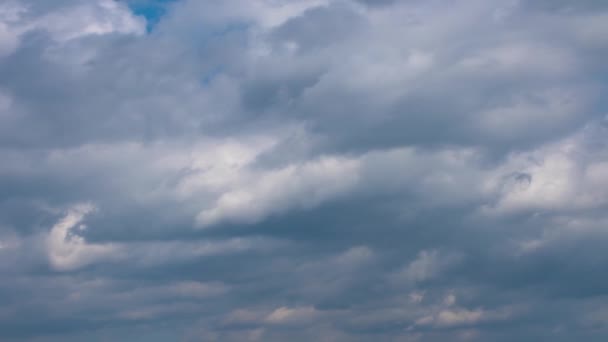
(308, 170)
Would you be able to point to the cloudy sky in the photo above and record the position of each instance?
(303, 170)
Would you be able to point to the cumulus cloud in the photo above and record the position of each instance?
(301, 186)
(66, 249)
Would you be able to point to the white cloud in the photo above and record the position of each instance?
(69, 251)
(460, 317)
(449, 300)
(97, 17)
(562, 175)
(266, 14)
(284, 315)
(298, 186)
(454, 318)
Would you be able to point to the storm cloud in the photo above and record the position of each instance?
(303, 170)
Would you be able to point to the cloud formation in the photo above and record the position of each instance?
(310, 170)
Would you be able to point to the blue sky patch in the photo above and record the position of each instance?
(152, 10)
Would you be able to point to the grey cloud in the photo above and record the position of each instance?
(303, 170)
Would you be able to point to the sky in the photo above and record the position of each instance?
(303, 170)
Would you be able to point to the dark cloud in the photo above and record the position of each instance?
(303, 170)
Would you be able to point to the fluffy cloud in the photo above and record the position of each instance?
(66, 249)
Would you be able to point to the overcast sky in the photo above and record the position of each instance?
(303, 170)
